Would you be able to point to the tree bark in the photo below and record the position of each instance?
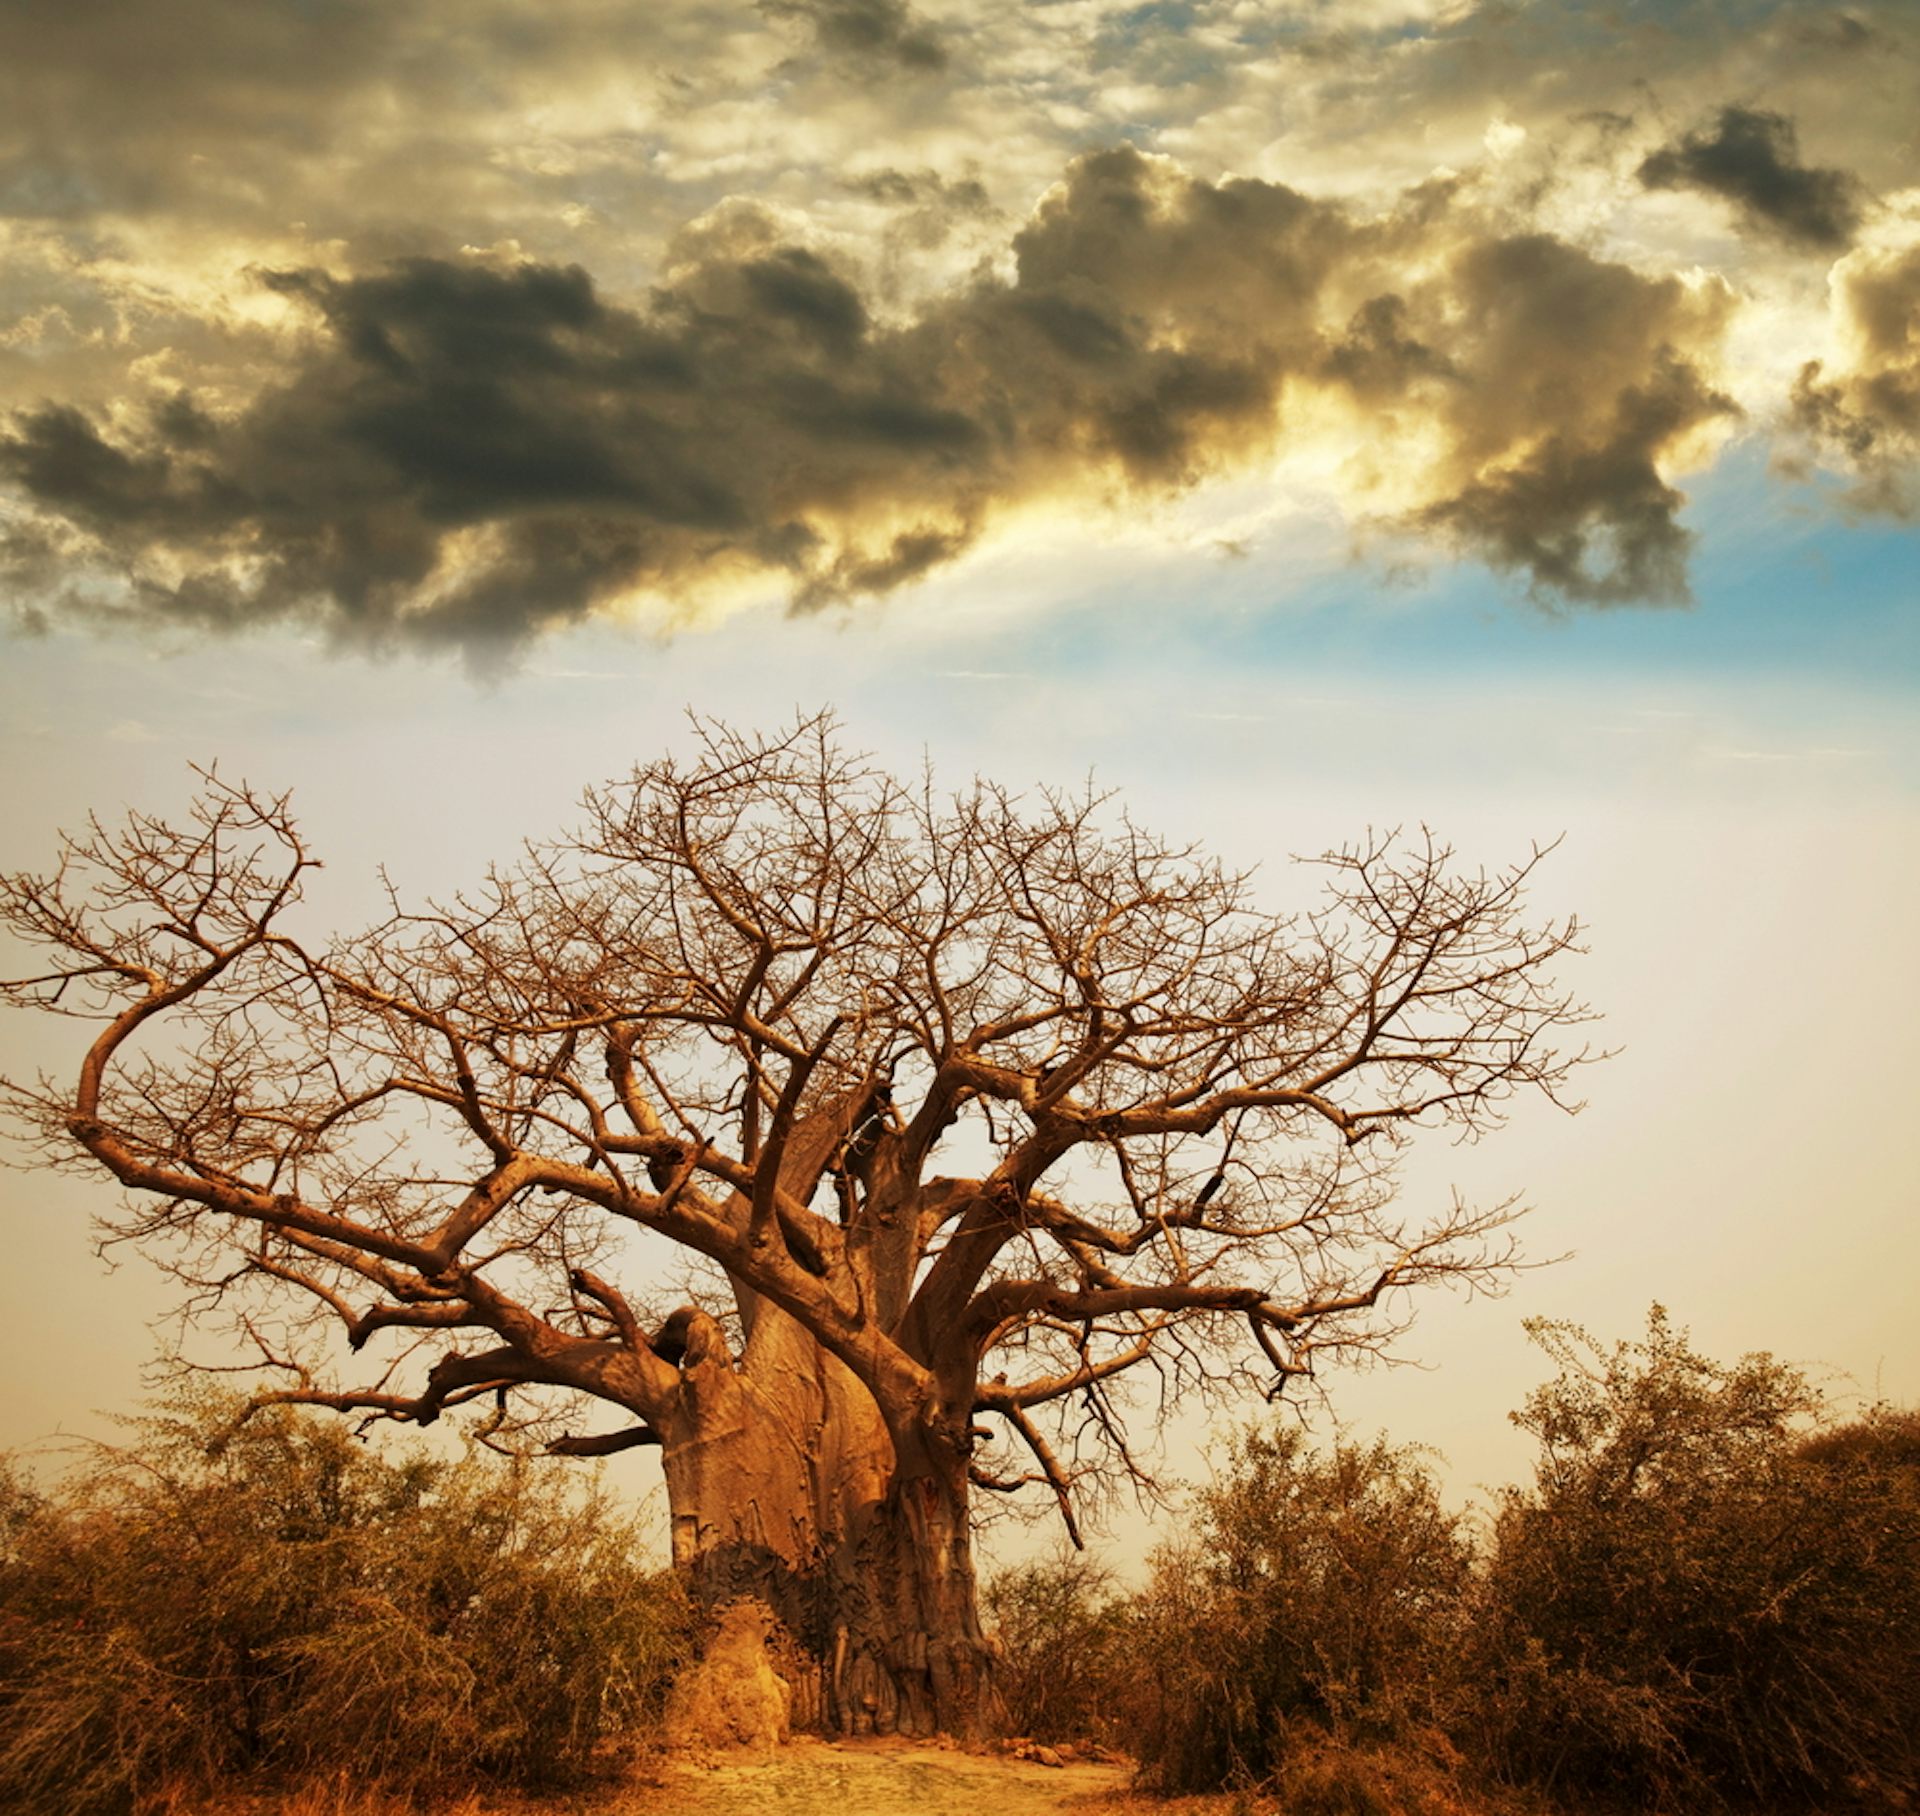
(785, 1488)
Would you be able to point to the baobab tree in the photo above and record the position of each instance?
(866, 1148)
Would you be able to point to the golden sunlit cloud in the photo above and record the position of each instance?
(1864, 405)
(840, 293)
(472, 450)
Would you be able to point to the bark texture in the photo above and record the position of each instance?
(785, 1491)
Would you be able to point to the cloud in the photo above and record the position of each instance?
(1752, 158)
(1576, 379)
(1839, 30)
(921, 189)
(924, 211)
(866, 35)
(152, 84)
(1865, 406)
(471, 452)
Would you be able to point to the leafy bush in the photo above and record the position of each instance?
(1316, 1597)
(278, 1599)
(1694, 1603)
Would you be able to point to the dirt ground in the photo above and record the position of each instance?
(881, 1778)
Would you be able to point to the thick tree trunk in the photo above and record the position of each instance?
(786, 1490)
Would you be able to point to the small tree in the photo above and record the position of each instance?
(954, 1112)
(1696, 1602)
(1320, 1595)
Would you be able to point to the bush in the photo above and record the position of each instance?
(1317, 1597)
(1066, 1670)
(277, 1599)
(1695, 1603)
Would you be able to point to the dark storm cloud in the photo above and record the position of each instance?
(797, 286)
(1752, 159)
(1587, 518)
(866, 34)
(471, 452)
(1867, 407)
(474, 454)
(1575, 502)
(1378, 356)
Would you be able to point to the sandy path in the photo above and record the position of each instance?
(881, 1778)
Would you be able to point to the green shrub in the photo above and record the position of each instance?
(280, 1600)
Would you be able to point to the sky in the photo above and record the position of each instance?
(1303, 417)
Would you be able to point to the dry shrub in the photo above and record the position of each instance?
(1066, 1669)
(277, 1602)
(1316, 1598)
(1695, 1604)
(1704, 1601)
(1415, 1774)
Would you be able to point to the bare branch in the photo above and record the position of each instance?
(748, 976)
